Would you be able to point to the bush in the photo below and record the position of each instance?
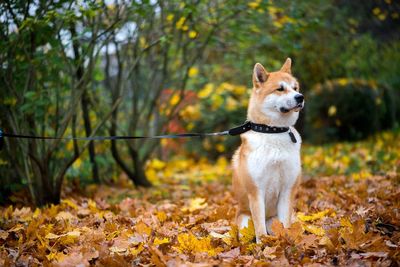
(345, 109)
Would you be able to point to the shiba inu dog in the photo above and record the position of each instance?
(266, 167)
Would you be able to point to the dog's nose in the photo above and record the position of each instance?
(299, 98)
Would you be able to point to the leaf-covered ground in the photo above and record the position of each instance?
(347, 214)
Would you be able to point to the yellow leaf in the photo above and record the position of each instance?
(325, 241)
(162, 217)
(64, 216)
(188, 243)
(174, 100)
(118, 250)
(195, 204)
(77, 163)
(74, 234)
(158, 241)
(142, 228)
(219, 236)
(170, 17)
(217, 101)
(206, 91)
(92, 205)
(192, 34)
(277, 228)
(231, 104)
(193, 71)
(232, 236)
(247, 234)
(376, 11)
(314, 229)
(345, 222)
(36, 213)
(157, 164)
(313, 217)
(136, 251)
(220, 148)
(51, 236)
(70, 203)
(332, 111)
(254, 4)
(55, 256)
(180, 23)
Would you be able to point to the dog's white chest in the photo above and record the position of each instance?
(273, 164)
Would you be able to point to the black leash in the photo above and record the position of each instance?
(247, 126)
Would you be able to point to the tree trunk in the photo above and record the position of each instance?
(84, 104)
(140, 178)
(137, 175)
(88, 130)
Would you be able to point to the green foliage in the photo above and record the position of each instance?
(345, 109)
(128, 67)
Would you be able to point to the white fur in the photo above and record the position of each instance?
(273, 161)
(273, 103)
(274, 165)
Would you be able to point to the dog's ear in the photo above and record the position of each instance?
(287, 66)
(260, 75)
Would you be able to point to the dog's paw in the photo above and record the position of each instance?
(269, 225)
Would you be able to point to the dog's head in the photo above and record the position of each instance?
(276, 98)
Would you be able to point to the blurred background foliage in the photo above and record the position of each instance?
(73, 68)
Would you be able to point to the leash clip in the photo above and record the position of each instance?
(1, 139)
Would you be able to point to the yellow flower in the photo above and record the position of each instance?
(193, 71)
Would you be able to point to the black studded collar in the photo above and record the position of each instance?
(261, 128)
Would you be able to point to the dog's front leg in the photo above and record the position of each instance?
(257, 208)
(285, 207)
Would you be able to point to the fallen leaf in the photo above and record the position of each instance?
(269, 252)
(247, 234)
(319, 231)
(158, 241)
(313, 217)
(197, 203)
(374, 254)
(231, 254)
(52, 236)
(64, 215)
(143, 229)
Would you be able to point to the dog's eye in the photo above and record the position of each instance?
(281, 89)
(295, 88)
